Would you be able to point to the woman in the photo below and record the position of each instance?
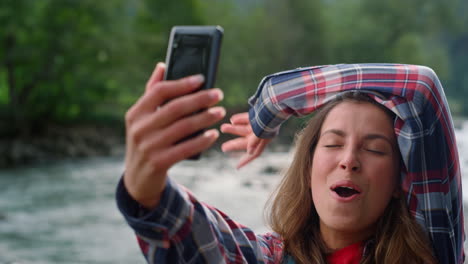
(346, 165)
(358, 163)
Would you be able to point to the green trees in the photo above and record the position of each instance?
(56, 59)
(430, 33)
(69, 61)
(264, 38)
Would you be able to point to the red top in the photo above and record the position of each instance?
(351, 254)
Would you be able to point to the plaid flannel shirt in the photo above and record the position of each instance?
(184, 230)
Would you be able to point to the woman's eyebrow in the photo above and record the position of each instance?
(372, 136)
(378, 136)
(338, 132)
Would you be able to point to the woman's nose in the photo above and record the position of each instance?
(350, 160)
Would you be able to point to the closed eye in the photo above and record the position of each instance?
(376, 151)
(333, 146)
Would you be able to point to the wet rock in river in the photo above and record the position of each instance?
(247, 183)
(270, 170)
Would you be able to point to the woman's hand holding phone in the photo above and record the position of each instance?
(162, 117)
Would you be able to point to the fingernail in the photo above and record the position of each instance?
(196, 79)
(213, 133)
(222, 127)
(217, 111)
(217, 94)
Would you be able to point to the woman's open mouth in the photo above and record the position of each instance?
(345, 191)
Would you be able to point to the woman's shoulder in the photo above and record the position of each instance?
(271, 245)
(271, 237)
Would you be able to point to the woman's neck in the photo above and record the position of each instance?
(337, 239)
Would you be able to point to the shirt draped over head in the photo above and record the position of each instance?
(431, 178)
(184, 230)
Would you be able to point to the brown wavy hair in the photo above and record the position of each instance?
(291, 212)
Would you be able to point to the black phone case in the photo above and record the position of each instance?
(213, 36)
(192, 50)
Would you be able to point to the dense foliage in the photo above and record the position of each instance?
(67, 61)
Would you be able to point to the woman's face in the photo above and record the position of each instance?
(354, 171)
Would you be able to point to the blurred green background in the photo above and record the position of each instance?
(71, 62)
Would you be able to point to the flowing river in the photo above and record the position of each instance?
(65, 213)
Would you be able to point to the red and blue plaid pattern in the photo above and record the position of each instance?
(424, 129)
(184, 230)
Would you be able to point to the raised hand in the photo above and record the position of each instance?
(247, 140)
(156, 122)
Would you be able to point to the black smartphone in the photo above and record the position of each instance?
(193, 50)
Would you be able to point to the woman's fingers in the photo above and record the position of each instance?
(238, 130)
(186, 149)
(234, 145)
(176, 110)
(239, 126)
(253, 144)
(187, 126)
(257, 148)
(186, 105)
(151, 141)
(247, 140)
(157, 75)
(244, 160)
(162, 92)
(240, 119)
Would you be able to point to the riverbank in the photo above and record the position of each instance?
(57, 142)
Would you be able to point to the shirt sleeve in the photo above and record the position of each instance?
(183, 230)
(431, 177)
